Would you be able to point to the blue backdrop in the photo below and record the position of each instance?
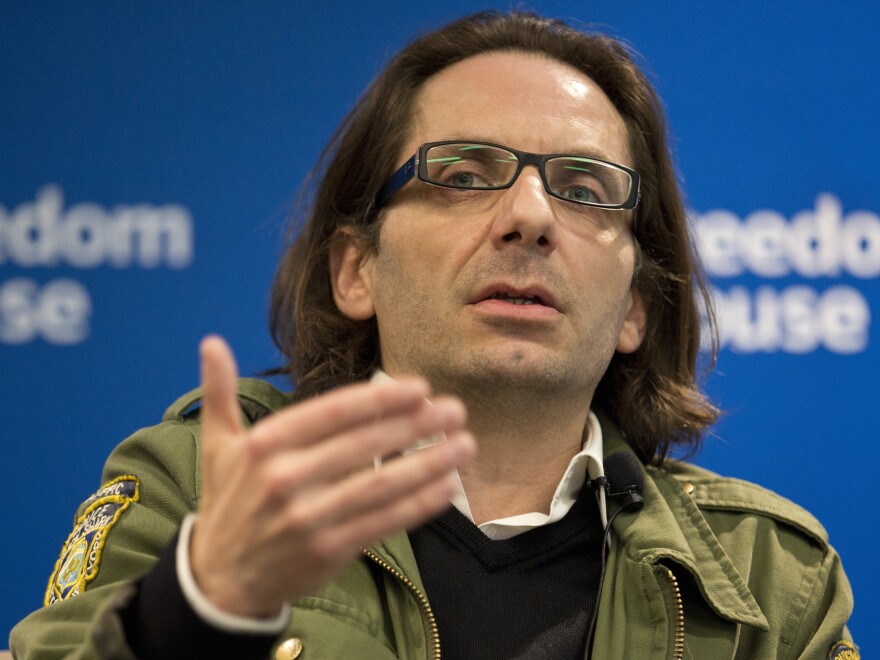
(148, 154)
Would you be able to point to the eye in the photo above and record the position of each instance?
(582, 192)
(469, 165)
(466, 180)
(578, 180)
(462, 173)
(579, 194)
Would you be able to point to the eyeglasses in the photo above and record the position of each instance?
(484, 166)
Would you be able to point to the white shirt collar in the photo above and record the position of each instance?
(586, 463)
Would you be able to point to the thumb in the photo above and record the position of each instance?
(220, 414)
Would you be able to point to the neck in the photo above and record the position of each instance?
(526, 443)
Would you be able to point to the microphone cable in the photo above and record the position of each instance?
(624, 474)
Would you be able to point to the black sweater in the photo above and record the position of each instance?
(530, 596)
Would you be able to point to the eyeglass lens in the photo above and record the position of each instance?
(573, 178)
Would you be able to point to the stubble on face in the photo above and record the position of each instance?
(496, 363)
(432, 259)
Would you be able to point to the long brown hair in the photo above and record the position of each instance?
(652, 394)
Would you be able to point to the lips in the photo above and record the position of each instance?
(529, 295)
(516, 300)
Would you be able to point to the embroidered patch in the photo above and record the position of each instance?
(81, 554)
(843, 650)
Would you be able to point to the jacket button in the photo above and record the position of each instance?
(289, 649)
(688, 487)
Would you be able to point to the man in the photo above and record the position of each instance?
(497, 222)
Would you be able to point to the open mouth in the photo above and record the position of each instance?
(532, 299)
(516, 299)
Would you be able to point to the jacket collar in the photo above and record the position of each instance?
(671, 527)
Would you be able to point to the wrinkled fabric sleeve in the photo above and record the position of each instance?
(160, 624)
(825, 620)
(164, 459)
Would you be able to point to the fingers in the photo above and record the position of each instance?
(395, 511)
(337, 457)
(395, 481)
(336, 412)
(300, 483)
(221, 414)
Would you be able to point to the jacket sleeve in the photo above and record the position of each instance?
(115, 579)
(114, 591)
(121, 533)
(824, 628)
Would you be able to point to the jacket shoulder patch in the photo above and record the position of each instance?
(843, 650)
(81, 553)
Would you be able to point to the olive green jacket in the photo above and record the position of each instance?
(710, 568)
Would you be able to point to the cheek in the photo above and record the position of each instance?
(602, 276)
(619, 247)
(426, 247)
(604, 262)
(401, 279)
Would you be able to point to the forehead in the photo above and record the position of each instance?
(522, 100)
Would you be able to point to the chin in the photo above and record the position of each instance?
(517, 370)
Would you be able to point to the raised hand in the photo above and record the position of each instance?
(287, 504)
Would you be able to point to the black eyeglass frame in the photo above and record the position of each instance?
(417, 166)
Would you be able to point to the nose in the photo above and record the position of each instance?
(525, 215)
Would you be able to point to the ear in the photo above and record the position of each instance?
(635, 323)
(350, 269)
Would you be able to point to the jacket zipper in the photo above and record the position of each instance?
(420, 597)
(675, 607)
